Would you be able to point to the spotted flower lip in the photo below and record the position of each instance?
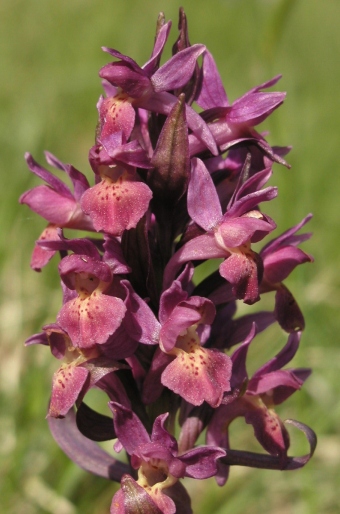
(92, 316)
(149, 311)
(181, 362)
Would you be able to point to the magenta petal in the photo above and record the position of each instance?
(79, 181)
(91, 320)
(73, 265)
(212, 92)
(199, 248)
(181, 318)
(279, 264)
(134, 82)
(49, 204)
(48, 177)
(161, 37)
(128, 427)
(203, 203)
(201, 462)
(254, 108)
(177, 70)
(269, 381)
(68, 382)
(140, 322)
(288, 238)
(238, 231)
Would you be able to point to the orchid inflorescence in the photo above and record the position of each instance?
(173, 188)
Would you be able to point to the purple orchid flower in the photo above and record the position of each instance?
(257, 396)
(157, 460)
(92, 316)
(81, 369)
(229, 235)
(234, 124)
(149, 88)
(181, 363)
(140, 320)
(119, 199)
(56, 203)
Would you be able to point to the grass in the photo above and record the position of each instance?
(50, 54)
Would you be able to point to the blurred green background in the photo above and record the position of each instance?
(49, 56)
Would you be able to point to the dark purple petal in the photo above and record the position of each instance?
(177, 70)
(93, 425)
(254, 108)
(257, 460)
(201, 462)
(239, 374)
(129, 429)
(287, 311)
(287, 238)
(269, 430)
(279, 264)
(283, 357)
(113, 256)
(40, 338)
(199, 248)
(50, 204)
(162, 436)
(151, 65)
(51, 180)
(163, 102)
(212, 92)
(140, 322)
(280, 378)
(132, 80)
(79, 181)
